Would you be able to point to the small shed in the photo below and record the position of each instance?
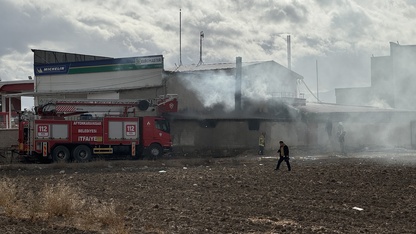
(11, 103)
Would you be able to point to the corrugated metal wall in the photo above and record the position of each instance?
(100, 81)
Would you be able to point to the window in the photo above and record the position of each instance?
(162, 125)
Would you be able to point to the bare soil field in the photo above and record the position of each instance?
(364, 192)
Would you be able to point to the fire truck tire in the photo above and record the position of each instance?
(154, 151)
(82, 153)
(61, 154)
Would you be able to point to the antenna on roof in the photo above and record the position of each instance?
(289, 54)
(201, 37)
(317, 82)
(180, 37)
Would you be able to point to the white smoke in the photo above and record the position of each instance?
(212, 89)
(379, 103)
(258, 85)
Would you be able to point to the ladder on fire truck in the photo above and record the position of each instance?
(69, 107)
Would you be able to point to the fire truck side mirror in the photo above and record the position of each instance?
(143, 105)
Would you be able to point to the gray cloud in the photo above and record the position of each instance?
(341, 35)
(352, 23)
(294, 13)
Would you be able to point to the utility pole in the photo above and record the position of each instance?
(238, 74)
(201, 37)
(289, 54)
(317, 82)
(180, 37)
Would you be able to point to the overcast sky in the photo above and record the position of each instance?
(341, 35)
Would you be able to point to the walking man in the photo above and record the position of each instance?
(262, 143)
(283, 155)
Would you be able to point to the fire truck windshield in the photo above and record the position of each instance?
(162, 125)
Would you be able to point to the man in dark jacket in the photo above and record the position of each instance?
(283, 155)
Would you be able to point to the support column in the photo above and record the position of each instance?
(9, 121)
(3, 103)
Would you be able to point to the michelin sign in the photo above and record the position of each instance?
(51, 70)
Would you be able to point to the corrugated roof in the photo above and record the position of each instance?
(224, 66)
(208, 67)
(15, 82)
(335, 108)
(7, 82)
(49, 57)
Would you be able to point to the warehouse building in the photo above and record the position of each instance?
(67, 75)
(222, 106)
(393, 81)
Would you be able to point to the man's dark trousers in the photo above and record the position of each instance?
(281, 159)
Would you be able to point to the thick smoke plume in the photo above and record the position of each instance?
(259, 85)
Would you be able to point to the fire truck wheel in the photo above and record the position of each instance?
(154, 151)
(82, 153)
(61, 154)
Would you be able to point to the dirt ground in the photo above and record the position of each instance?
(364, 192)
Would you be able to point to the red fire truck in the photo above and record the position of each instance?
(78, 130)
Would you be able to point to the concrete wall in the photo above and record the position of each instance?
(403, 81)
(382, 82)
(45, 99)
(236, 135)
(226, 134)
(145, 93)
(8, 137)
(355, 96)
